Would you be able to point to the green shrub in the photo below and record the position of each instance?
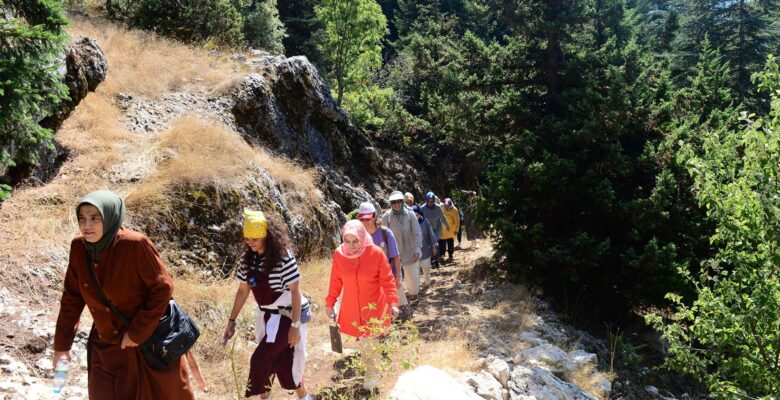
(214, 22)
(30, 83)
(730, 336)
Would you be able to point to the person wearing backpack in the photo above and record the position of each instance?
(401, 220)
(269, 271)
(430, 245)
(128, 270)
(385, 240)
(435, 215)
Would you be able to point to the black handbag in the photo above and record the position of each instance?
(173, 337)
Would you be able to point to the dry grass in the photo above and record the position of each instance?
(206, 153)
(454, 353)
(143, 63)
(587, 378)
(209, 304)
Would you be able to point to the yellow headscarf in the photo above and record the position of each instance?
(255, 224)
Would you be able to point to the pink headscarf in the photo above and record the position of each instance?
(355, 228)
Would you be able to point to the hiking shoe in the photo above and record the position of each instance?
(413, 300)
(457, 246)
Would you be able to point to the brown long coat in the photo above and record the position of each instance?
(135, 279)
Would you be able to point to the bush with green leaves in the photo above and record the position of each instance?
(729, 336)
(213, 22)
(353, 41)
(30, 83)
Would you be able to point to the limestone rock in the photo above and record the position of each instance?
(546, 356)
(429, 383)
(484, 384)
(539, 384)
(581, 358)
(500, 370)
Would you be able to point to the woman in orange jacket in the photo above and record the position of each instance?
(361, 274)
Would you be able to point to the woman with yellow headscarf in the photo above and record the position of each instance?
(269, 270)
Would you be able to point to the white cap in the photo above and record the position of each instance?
(396, 195)
(366, 209)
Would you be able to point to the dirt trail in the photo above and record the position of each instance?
(443, 316)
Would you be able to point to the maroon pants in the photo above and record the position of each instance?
(271, 359)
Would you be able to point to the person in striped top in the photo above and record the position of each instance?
(268, 269)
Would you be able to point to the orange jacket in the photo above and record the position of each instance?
(368, 290)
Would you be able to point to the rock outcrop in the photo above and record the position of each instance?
(290, 110)
(83, 68)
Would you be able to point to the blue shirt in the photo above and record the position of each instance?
(390, 248)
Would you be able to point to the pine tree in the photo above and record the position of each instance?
(30, 84)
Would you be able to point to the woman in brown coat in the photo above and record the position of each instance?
(134, 278)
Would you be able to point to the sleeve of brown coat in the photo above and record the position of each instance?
(159, 288)
(71, 307)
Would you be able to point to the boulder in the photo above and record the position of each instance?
(428, 383)
(83, 67)
(500, 370)
(536, 383)
(484, 384)
(580, 358)
(290, 110)
(545, 356)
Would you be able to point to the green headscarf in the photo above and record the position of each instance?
(112, 208)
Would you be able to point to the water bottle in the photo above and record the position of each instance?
(60, 374)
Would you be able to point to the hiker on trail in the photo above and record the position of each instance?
(430, 245)
(408, 199)
(132, 275)
(361, 276)
(269, 270)
(435, 215)
(385, 239)
(406, 229)
(460, 226)
(469, 219)
(447, 238)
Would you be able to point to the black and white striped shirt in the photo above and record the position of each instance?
(279, 278)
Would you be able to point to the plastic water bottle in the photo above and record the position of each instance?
(60, 374)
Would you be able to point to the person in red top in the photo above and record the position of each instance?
(134, 277)
(361, 274)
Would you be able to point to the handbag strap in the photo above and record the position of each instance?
(99, 288)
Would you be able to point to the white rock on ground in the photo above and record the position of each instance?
(428, 383)
(484, 384)
(500, 370)
(540, 384)
(581, 358)
(545, 356)
(531, 338)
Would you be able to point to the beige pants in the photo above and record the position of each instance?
(402, 301)
(370, 357)
(425, 265)
(412, 278)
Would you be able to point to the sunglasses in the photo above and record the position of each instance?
(396, 202)
(366, 219)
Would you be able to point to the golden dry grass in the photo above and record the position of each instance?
(587, 377)
(454, 353)
(143, 63)
(206, 153)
